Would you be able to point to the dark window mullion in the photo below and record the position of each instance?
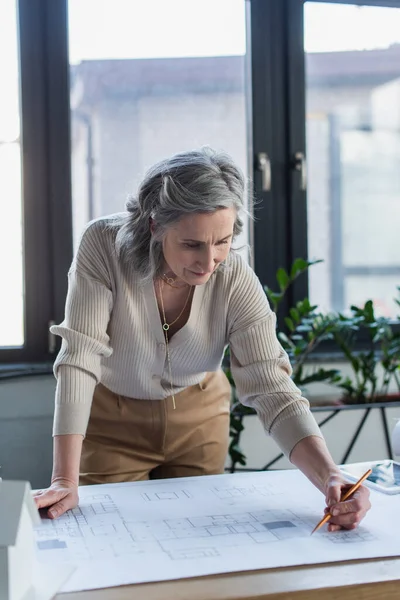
(59, 142)
(296, 122)
(34, 188)
(269, 136)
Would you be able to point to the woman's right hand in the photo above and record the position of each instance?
(62, 495)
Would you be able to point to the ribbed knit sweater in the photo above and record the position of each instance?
(112, 334)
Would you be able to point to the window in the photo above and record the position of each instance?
(149, 79)
(12, 331)
(353, 148)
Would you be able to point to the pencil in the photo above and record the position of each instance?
(347, 495)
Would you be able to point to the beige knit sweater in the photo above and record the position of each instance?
(112, 334)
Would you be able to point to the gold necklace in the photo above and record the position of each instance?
(166, 327)
(171, 281)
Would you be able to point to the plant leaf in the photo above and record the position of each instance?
(295, 315)
(298, 266)
(283, 279)
(321, 375)
(289, 324)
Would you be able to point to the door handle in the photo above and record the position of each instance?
(300, 164)
(263, 164)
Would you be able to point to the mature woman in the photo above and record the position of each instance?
(155, 295)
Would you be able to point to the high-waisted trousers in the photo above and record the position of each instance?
(132, 440)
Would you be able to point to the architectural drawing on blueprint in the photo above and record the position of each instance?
(166, 495)
(168, 529)
(236, 491)
(97, 529)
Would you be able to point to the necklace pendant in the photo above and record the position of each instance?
(170, 280)
(165, 326)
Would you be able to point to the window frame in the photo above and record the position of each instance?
(280, 228)
(271, 226)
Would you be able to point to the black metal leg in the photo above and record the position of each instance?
(355, 436)
(386, 431)
(366, 410)
(272, 462)
(328, 418)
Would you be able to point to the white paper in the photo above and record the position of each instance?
(174, 528)
(48, 579)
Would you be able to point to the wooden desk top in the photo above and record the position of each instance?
(377, 579)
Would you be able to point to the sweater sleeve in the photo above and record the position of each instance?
(84, 336)
(261, 368)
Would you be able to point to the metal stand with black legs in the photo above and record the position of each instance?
(334, 411)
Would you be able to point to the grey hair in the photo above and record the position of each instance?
(197, 181)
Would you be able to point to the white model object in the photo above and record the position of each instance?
(18, 517)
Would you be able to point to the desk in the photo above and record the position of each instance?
(361, 579)
(377, 579)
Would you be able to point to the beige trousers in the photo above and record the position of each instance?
(132, 440)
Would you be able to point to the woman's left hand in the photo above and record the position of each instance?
(347, 514)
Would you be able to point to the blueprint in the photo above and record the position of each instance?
(174, 528)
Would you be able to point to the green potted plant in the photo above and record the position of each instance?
(375, 368)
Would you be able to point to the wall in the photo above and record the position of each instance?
(26, 408)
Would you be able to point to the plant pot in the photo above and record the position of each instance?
(384, 398)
